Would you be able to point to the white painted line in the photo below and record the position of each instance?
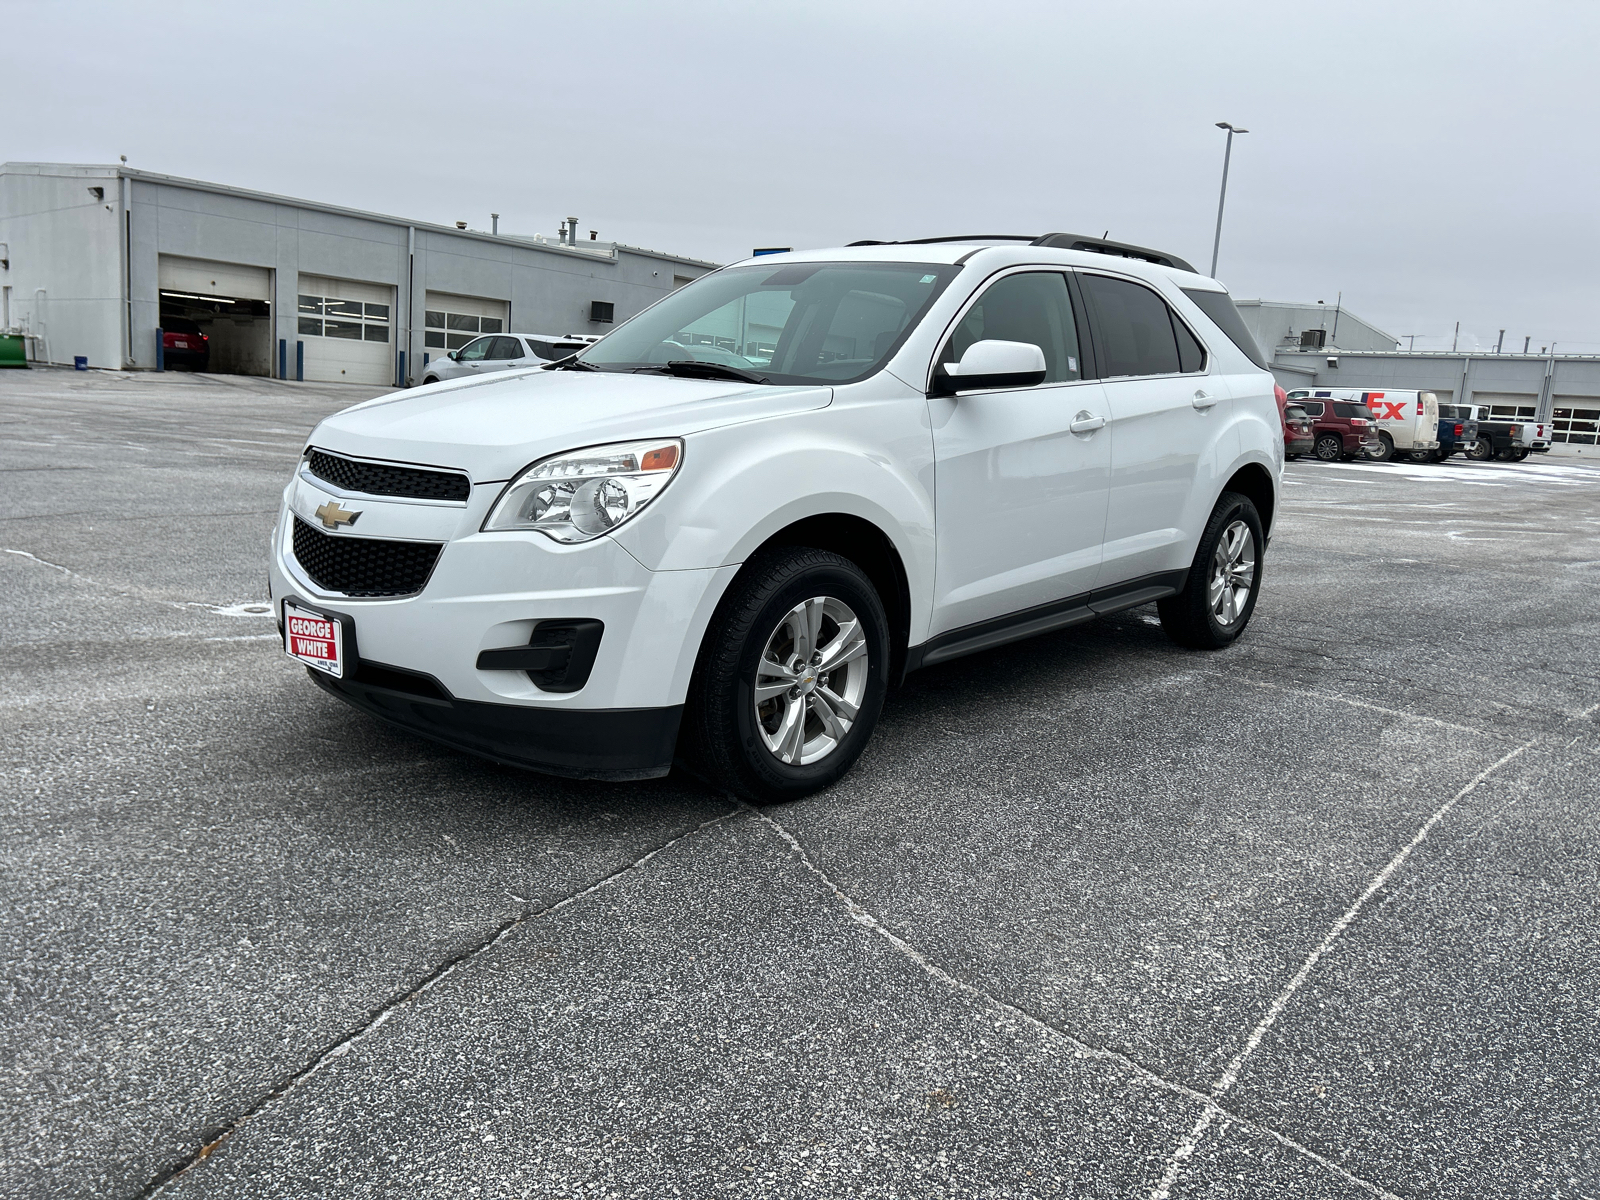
(1185, 1149)
(1080, 1049)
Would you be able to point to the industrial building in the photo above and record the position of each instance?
(1312, 345)
(94, 260)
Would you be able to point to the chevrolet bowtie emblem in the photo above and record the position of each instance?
(332, 516)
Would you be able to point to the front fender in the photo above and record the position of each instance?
(869, 457)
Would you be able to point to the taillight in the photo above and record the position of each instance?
(1419, 408)
(1359, 422)
(205, 337)
(1458, 431)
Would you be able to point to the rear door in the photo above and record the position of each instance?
(1021, 496)
(1166, 415)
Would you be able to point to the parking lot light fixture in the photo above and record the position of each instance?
(1222, 199)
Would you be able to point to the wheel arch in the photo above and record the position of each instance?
(1254, 482)
(870, 548)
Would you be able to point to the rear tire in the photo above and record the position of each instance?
(1481, 450)
(1522, 454)
(791, 612)
(1330, 448)
(1224, 580)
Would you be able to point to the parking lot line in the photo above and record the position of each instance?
(1185, 1149)
(1080, 1048)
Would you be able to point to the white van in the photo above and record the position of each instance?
(1407, 421)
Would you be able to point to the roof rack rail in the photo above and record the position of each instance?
(1061, 241)
(1094, 245)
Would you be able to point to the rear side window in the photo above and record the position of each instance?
(1191, 357)
(1313, 407)
(1341, 409)
(1135, 327)
(1295, 413)
(1219, 307)
(1032, 307)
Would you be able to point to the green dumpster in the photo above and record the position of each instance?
(13, 350)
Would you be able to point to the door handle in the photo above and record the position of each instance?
(1202, 401)
(1086, 422)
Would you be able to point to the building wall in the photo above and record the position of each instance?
(77, 257)
(64, 240)
(1571, 398)
(1278, 325)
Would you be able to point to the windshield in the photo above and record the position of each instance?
(795, 323)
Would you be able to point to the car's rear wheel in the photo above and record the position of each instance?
(1330, 448)
(790, 678)
(1224, 580)
(1481, 450)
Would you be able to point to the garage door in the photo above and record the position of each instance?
(224, 308)
(347, 330)
(1508, 406)
(205, 279)
(450, 322)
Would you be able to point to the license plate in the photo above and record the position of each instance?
(314, 639)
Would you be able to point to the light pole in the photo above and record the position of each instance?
(1227, 153)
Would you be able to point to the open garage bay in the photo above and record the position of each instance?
(1095, 916)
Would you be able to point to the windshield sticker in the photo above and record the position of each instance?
(928, 278)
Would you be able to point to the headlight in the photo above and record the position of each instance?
(579, 495)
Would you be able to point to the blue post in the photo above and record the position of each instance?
(161, 350)
(283, 358)
(425, 359)
(300, 362)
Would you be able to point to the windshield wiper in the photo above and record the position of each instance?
(692, 368)
(570, 363)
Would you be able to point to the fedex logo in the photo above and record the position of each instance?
(1384, 410)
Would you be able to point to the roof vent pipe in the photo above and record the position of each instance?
(572, 231)
(494, 224)
(561, 238)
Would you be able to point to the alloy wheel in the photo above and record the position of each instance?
(1233, 573)
(810, 680)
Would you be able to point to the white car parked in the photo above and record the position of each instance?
(721, 533)
(503, 352)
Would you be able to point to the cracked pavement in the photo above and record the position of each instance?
(1094, 916)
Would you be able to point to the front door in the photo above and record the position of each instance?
(1021, 498)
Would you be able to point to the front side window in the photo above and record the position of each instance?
(475, 351)
(796, 323)
(1135, 327)
(1031, 307)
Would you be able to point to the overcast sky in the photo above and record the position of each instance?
(1434, 162)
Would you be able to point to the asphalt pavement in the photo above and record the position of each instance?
(1314, 916)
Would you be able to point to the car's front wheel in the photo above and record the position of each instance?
(1385, 450)
(1224, 580)
(790, 678)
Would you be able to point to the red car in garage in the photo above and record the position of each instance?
(183, 345)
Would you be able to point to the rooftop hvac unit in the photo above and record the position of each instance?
(1313, 339)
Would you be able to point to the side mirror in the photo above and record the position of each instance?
(451, 356)
(991, 364)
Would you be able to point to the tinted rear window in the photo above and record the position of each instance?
(1313, 407)
(1341, 409)
(1219, 307)
(178, 325)
(1135, 328)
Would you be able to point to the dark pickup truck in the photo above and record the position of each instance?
(1506, 441)
(1458, 432)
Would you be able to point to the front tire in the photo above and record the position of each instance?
(791, 677)
(1385, 450)
(1224, 580)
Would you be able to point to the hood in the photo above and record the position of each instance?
(492, 428)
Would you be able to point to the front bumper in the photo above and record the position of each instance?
(488, 592)
(618, 743)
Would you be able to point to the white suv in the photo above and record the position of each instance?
(719, 534)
